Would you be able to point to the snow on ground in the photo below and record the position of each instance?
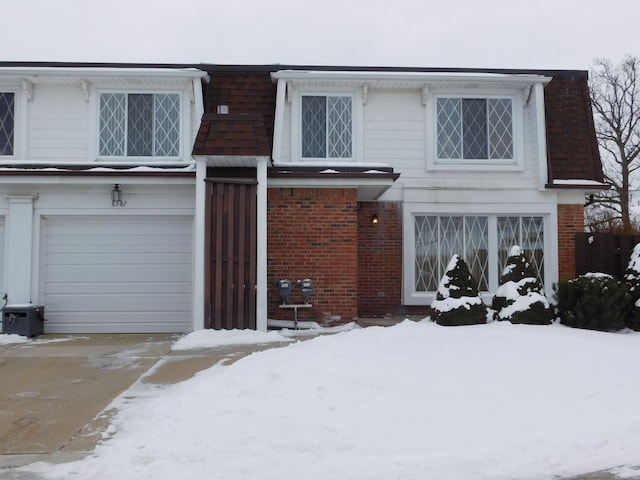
(218, 338)
(11, 338)
(414, 401)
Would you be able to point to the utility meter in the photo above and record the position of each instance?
(306, 287)
(284, 289)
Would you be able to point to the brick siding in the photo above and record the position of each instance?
(313, 232)
(570, 222)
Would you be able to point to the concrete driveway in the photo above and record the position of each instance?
(54, 389)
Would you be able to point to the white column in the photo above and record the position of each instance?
(19, 242)
(199, 246)
(261, 254)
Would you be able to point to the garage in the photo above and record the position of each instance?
(2, 223)
(117, 274)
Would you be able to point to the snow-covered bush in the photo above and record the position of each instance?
(596, 301)
(520, 298)
(632, 279)
(457, 301)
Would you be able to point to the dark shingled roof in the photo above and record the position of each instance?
(571, 136)
(232, 135)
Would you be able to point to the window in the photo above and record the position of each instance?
(326, 126)
(438, 238)
(7, 108)
(139, 125)
(474, 128)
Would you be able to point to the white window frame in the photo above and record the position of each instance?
(182, 136)
(517, 121)
(19, 126)
(413, 297)
(356, 123)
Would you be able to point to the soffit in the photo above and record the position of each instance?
(408, 81)
(103, 76)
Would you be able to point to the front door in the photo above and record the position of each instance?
(230, 296)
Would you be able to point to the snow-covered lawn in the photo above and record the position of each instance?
(414, 401)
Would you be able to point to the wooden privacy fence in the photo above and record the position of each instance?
(604, 252)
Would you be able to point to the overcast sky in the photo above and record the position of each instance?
(544, 34)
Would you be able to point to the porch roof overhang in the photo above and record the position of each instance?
(588, 186)
(371, 180)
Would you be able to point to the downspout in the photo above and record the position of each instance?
(261, 237)
(199, 221)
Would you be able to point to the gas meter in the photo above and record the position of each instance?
(306, 287)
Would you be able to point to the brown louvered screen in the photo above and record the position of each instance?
(230, 297)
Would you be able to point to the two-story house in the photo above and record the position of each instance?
(169, 198)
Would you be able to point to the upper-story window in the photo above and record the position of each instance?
(474, 128)
(7, 116)
(139, 125)
(327, 126)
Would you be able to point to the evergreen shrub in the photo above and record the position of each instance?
(595, 301)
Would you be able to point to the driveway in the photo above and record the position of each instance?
(55, 389)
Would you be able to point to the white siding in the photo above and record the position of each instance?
(106, 274)
(58, 124)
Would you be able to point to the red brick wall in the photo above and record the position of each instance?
(379, 259)
(570, 221)
(380, 262)
(313, 232)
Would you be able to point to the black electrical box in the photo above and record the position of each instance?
(25, 320)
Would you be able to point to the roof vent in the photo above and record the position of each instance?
(223, 109)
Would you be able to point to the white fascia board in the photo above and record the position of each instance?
(415, 77)
(87, 72)
(35, 179)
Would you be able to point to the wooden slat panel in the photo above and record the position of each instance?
(231, 237)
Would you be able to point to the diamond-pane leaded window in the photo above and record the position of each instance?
(326, 126)
(6, 123)
(474, 128)
(437, 239)
(528, 234)
(139, 125)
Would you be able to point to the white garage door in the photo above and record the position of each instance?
(2, 290)
(118, 274)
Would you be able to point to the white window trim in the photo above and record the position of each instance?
(548, 214)
(434, 163)
(19, 123)
(184, 138)
(356, 123)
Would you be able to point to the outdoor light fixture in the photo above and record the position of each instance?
(374, 218)
(116, 197)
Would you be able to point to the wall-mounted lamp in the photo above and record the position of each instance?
(374, 219)
(116, 197)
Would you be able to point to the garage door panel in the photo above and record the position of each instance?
(118, 258)
(118, 274)
(116, 288)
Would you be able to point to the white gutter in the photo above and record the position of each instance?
(33, 73)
